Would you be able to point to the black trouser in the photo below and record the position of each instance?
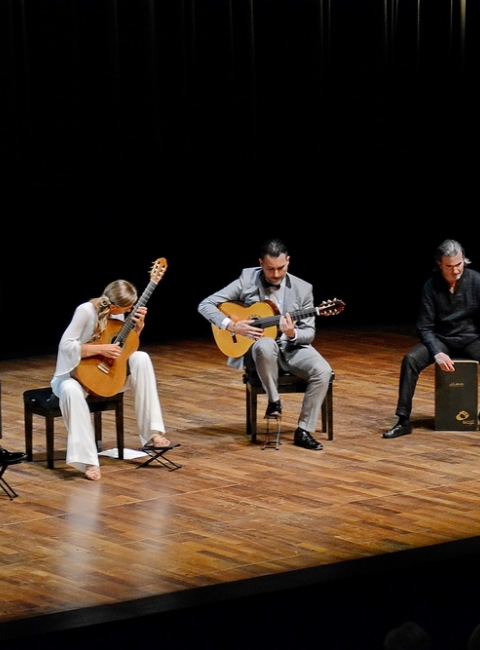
(417, 360)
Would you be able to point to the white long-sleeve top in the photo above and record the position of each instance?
(80, 330)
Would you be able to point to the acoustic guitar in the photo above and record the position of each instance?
(266, 317)
(106, 377)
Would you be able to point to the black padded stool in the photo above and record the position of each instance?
(43, 402)
(287, 383)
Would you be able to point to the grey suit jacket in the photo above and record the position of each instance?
(249, 289)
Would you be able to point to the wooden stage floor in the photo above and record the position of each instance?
(237, 519)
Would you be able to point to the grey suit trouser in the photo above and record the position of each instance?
(305, 362)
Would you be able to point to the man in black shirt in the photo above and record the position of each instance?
(448, 326)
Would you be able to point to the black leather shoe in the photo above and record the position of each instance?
(303, 439)
(274, 410)
(399, 430)
(10, 457)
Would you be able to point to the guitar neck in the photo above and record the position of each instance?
(274, 320)
(129, 323)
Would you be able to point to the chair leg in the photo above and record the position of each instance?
(329, 414)
(97, 425)
(28, 416)
(248, 410)
(119, 426)
(252, 413)
(49, 423)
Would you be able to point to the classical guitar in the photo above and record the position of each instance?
(106, 377)
(266, 316)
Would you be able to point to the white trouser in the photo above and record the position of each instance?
(81, 447)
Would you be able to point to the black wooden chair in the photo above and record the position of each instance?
(287, 383)
(43, 402)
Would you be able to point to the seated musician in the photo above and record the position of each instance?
(84, 338)
(292, 350)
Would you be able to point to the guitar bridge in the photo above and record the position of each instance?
(103, 368)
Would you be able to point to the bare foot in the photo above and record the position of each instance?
(92, 472)
(158, 440)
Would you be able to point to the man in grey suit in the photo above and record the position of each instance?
(292, 350)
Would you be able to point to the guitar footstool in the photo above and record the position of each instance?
(158, 454)
(9, 491)
(268, 442)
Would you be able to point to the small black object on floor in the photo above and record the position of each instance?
(158, 454)
(16, 459)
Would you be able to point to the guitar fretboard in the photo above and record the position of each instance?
(129, 323)
(274, 321)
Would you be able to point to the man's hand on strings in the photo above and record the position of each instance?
(246, 328)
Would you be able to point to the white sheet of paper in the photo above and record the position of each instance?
(127, 453)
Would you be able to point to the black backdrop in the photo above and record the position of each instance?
(195, 129)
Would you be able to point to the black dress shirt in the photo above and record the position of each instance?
(453, 318)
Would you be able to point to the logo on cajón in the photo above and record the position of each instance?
(462, 416)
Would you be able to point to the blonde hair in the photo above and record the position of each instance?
(119, 293)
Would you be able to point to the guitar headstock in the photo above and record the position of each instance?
(330, 307)
(158, 270)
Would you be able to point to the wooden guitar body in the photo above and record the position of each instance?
(106, 377)
(237, 345)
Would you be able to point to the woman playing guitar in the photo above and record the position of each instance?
(89, 343)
